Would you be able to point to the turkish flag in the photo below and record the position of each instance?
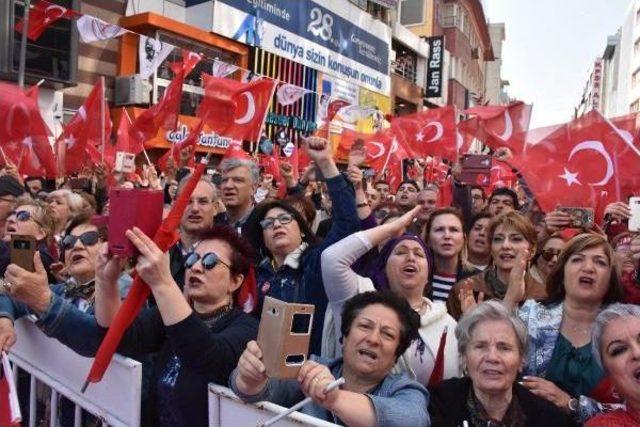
(629, 127)
(501, 175)
(500, 126)
(235, 151)
(41, 16)
(585, 163)
(81, 137)
(190, 60)
(164, 114)
(429, 133)
(235, 109)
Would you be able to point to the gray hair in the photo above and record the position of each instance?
(614, 311)
(74, 200)
(203, 178)
(490, 310)
(228, 164)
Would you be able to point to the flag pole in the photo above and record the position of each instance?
(102, 102)
(23, 43)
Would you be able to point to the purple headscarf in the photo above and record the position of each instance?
(379, 273)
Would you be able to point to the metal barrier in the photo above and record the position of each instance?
(226, 409)
(115, 400)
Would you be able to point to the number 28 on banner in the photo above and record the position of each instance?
(321, 24)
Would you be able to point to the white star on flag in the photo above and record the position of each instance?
(419, 136)
(571, 178)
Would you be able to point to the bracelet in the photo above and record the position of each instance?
(362, 205)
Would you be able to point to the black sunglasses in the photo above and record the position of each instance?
(548, 254)
(22, 216)
(88, 238)
(209, 260)
(283, 218)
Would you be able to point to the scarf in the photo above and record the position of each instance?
(513, 417)
(84, 291)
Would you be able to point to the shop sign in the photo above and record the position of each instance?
(434, 67)
(332, 36)
(294, 122)
(207, 139)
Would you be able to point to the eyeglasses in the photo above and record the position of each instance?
(88, 238)
(283, 218)
(548, 254)
(209, 260)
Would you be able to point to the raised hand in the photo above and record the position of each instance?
(517, 288)
(252, 374)
(30, 288)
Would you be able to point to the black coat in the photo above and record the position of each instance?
(448, 406)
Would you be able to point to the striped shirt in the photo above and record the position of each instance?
(441, 285)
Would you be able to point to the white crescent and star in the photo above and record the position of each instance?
(48, 17)
(508, 127)
(439, 132)
(251, 109)
(380, 147)
(572, 177)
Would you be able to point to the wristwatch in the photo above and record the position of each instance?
(573, 405)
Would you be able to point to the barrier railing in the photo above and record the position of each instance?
(115, 400)
(226, 409)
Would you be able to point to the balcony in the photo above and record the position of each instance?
(405, 67)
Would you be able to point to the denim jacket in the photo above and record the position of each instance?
(397, 400)
(543, 324)
(300, 278)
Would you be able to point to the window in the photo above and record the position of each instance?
(192, 89)
(635, 106)
(635, 78)
(53, 56)
(449, 15)
(412, 12)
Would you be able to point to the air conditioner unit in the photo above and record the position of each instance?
(132, 90)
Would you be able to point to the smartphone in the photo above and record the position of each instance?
(79, 183)
(283, 336)
(22, 250)
(634, 219)
(580, 217)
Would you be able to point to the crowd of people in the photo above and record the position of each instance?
(480, 310)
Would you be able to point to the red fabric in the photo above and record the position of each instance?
(190, 60)
(429, 133)
(123, 141)
(235, 151)
(502, 126)
(584, 163)
(631, 288)
(164, 114)
(604, 392)
(501, 175)
(438, 366)
(41, 16)
(82, 133)
(629, 127)
(165, 237)
(235, 109)
(5, 413)
(190, 141)
(617, 418)
(247, 295)
(384, 148)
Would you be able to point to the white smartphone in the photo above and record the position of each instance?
(634, 220)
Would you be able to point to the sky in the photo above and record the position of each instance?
(549, 48)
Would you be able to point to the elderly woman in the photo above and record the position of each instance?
(199, 339)
(444, 234)
(402, 267)
(64, 204)
(615, 338)
(30, 218)
(290, 268)
(546, 258)
(561, 366)
(377, 328)
(492, 344)
(513, 243)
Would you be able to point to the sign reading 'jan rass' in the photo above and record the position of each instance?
(434, 67)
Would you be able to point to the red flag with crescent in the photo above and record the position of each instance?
(42, 15)
(234, 109)
(500, 125)
(429, 133)
(586, 163)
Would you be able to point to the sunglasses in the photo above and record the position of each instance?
(88, 238)
(209, 260)
(283, 218)
(548, 254)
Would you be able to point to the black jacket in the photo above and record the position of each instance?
(448, 408)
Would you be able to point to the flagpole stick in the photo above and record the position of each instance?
(4, 156)
(23, 43)
(102, 101)
(146, 156)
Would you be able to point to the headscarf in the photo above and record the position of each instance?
(379, 273)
